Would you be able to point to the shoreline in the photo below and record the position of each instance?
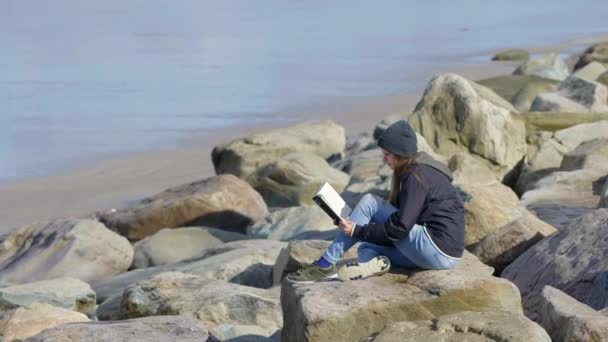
(114, 182)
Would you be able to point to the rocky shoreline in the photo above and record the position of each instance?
(205, 260)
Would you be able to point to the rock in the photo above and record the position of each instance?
(23, 322)
(67, 293)
(522, 100)
(573, 136)
(456, 115)
(302, 252)
(502, 246)
(244, 262)
(512, 55)
(597, 52)
(225, 202)
(243, 156)
(571, 187)
(549, 66)
(363, 165)
(82, 249)
(469, 169)
(603, 78)
(507, 86)
(549, 156)
(295, 178)
(574, 95)
(169, 246)
(566, 319)
(365, 307)
(217, 304)
(466, 326)
(160, 328)
(554, 121)
(590, 154)
(292, 223)
(604, 196)
(568, 260)
(359, 143)
(379, 186)
(110, 310)
(591, 71)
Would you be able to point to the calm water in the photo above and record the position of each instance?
(87, 79)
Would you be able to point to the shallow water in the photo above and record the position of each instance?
(87, 79)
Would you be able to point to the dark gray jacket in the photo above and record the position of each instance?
(429, 199)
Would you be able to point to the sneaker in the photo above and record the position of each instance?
(309, 273)
(361, 270)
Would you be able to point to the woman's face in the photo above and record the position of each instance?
(389, 159)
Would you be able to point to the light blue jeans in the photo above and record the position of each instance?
(416, 250)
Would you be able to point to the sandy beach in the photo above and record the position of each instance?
(113, 183)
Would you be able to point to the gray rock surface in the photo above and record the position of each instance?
(224, 201)
(83, 249)
(294, 179)
(568, 260)
(169, 246)
(67, 293)
(160, 328)
(604, 196)
(457, 115)
(597, 52)
(549, 66)
(293, 223)
(365, 307)
(591, 154)
(522, 100)
(222, 307)
(242, 157)
(573, 136)
(466, 326)
(591, 71)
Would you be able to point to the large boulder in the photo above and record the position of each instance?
(512, 55)
(568, 260)
(597, 52)
(465, 326)
(243, 156)
(244, 262)
(591, 154)
(566, 319)
(293, 223)
(549, 66)
(563, 187)
(545, 152)
(23, 322)
(169, 246)
(295, 178)
(159, 328)
(349, 311)
(574, 95)
(67, 293)
(603, 78)
(82, 249)
(228, 310)
(573, 136)
(470, 169)
(224, 201)
(591, 71)
(457, 115)
(507, 86)
(522, 100)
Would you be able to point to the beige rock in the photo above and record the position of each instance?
(591, 154)
(567, 319)
(522, 100)
(591, 71)
(573, 136)
(470, 169)
(456, 115)
(512, 55)
(293, 223)
(549, 66)
(603, 78)
(596, 52)
(556, 102)
(217, 304)
(82, 249)
(160, 328)
(466, 326)
(243, 156)
(295, 178)
(499, 248)
(574, 187)
(67, 293)
(224, 201)
(549, 156)
(169, 246)
(23, 322)
(507, 86)
(365, 307)
(568, 260)
(592, 95)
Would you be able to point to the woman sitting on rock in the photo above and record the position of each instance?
(421, 225)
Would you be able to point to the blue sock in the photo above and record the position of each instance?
(323, 263)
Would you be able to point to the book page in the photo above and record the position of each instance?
(334, 200)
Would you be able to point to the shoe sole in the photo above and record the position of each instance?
(357, 271)
(329, 277)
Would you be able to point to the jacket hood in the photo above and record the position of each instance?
(426, 159)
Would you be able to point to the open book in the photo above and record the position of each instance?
(331, 202)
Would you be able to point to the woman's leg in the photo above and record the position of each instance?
(367, 251)
(369, 209)
(420, 249)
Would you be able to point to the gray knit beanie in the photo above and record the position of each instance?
(400, 139)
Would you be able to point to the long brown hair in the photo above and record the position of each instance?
(403, 165)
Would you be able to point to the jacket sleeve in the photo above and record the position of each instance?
(412, 200)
